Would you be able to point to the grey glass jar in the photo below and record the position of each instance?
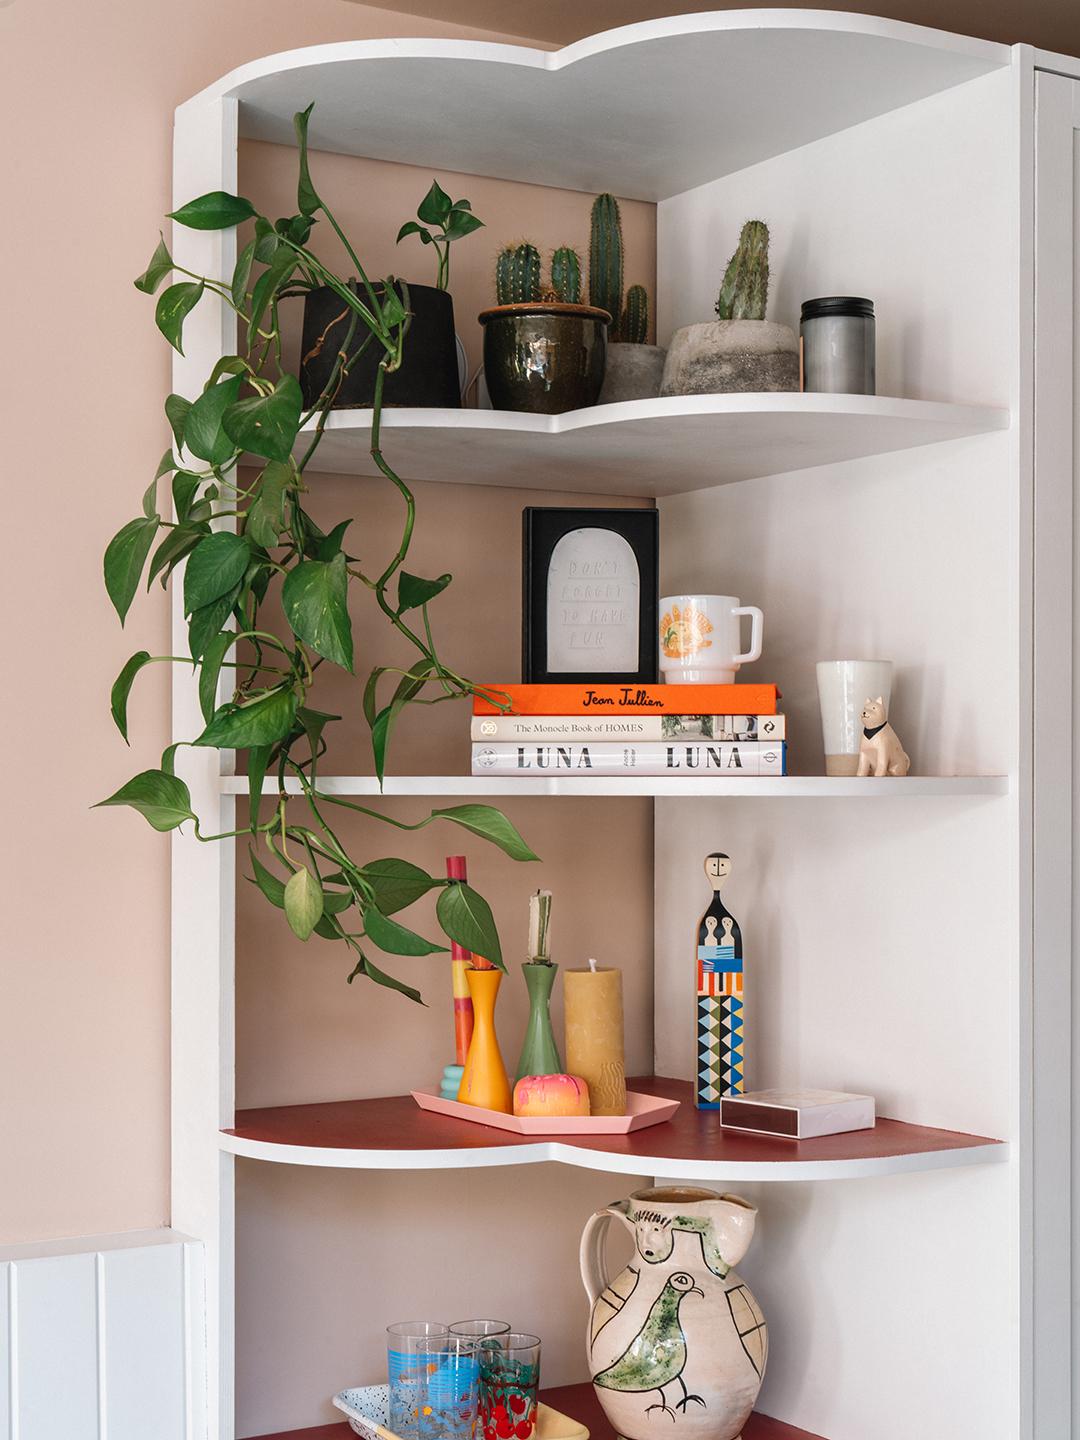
(837, 333)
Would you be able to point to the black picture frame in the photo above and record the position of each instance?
(542, 529)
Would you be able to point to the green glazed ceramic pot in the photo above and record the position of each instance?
(544, 358)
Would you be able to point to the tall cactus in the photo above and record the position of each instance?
(606, 258)
(636, 317)
(745, 287)
(566, 275)
(517, 274)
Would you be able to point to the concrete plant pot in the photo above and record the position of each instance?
(724, 356)
(633, 372)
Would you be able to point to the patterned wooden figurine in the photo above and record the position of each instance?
(719, 996)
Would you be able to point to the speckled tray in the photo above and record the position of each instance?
(368, 1409)
(641, 1111)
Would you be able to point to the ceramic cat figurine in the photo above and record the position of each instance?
(880, 752)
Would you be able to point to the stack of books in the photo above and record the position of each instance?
(689, 730)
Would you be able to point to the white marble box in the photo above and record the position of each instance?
(797, 1114)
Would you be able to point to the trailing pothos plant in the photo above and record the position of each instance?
(244, 541)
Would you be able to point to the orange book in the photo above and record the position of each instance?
(631, 699)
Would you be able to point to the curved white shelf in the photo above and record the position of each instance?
(646, 447)
(662, 103)
(993, 1152)
(395, 1134)
(786, 787)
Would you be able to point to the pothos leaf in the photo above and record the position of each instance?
(466, 917)
(388, 935)
(260, 722)
(163, 799)
(122, 689)
(313, 597)
(489, 824)
(303, 902)
(173, 307)
(124, 560)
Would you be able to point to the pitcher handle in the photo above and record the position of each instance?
(755, 632)
(594, 1274)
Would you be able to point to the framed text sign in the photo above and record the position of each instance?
(591, 588)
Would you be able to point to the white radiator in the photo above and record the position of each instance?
(102, 1338)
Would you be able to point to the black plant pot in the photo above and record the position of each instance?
(429, 372)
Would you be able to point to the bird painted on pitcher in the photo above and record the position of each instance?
(657, 1354)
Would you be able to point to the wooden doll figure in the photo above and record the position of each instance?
(719, 996)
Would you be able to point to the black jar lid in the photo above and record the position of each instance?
(837, 305)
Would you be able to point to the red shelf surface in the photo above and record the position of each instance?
(397, 1124)
(580, 1402)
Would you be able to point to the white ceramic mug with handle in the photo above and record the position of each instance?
(701, 641)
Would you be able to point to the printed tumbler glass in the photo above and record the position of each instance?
(402, 1341)
(509, 1380)
(447, 1389)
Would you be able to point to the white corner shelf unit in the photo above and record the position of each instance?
(920, 950)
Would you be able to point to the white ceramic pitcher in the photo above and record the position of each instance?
(677, 1344)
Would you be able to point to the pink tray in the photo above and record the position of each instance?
(641, 1111)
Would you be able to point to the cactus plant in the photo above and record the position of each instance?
(566, 275)
(745, 287)
(517, 274)
(636, 316)
(606, 258)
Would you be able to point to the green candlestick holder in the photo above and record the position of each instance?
(539, 1054)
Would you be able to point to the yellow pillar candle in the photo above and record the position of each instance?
(594, 1035)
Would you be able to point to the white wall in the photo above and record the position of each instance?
(880, 936)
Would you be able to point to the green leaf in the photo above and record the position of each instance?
(122, 689)
(173, 307)
(178, 542)
(215, 566)
(242, 273)
(412, 228)
(412, 591)
(435, 206)
(334, 903)
(388, 935)
(166, 464)
(185, 485)
(210, 669)
(206, 622)
(270, 885)
(489, 824)
(314, 598)
(227, 365)
(307, 201)
(396, 884)
(214, 211)
(124, 561)
(259, 722)
(303, 902)
(203, 434)
(155, 272)
(168, 757)
(258, 760)
(314, 722)
(461, 223)
(466, 917)
(149, 501)
(282, 266)
(267, 425)
(393, 310)
(163, 799)
(329, 927)
(296, 228)
(332, 544)
(176, 409)
(365, 967)
(264, 516)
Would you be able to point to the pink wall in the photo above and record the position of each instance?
(89, 91)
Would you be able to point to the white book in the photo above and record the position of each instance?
(633, 728)
(692, 759)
